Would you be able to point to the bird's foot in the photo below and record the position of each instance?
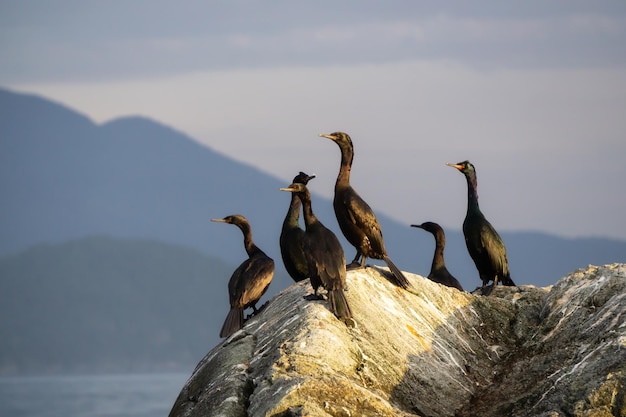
(257, 310)
(487, 289)
(313, 297)
(354, 265)
(350, 322)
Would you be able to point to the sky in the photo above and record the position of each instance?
(533, 93)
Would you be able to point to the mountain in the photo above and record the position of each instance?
(102, 304)
(64, 177)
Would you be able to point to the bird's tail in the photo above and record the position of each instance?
(339, 304)
(506, 280)
(454, 283)
(233, 322)
(398, 277)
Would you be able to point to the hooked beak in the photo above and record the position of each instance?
(459, 167)
(218, 220)
(331, 137)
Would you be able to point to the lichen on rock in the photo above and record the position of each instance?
(429, 351)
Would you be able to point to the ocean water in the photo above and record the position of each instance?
(133, 395)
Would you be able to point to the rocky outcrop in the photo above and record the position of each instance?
(429, 351)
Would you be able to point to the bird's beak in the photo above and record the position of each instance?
(459, 167)
(286, 189)
(331, 137)
(218, 220)
(416, 225)
(311, 177)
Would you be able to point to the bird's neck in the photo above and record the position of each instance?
(438, 261)
(248, 243)
(472, 194)
(343, 179)
(307, 211)
(293, 214)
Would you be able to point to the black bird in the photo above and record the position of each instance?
(356, 219)
(291, 236)
(483, 242)
(438, 271)
(324, 255)
(249, 281)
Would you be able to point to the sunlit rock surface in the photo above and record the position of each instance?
(429, 351)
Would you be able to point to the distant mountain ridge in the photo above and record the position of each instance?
(102, 304)
(63, 177)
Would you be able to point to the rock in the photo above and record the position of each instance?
(429, 351)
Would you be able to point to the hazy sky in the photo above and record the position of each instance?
(533, 93)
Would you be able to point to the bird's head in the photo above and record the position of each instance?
(303, 178)
(295, 187)
(236, 219)
(465, 167)
(340, 138)
(428, 226)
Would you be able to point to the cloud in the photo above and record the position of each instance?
(130, 40)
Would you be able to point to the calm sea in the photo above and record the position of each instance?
(144, 395)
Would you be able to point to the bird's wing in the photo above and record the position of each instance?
(494, 247)
(326, 258)
(475, 240)
(250, 280)
(292, 252)
(364, 218)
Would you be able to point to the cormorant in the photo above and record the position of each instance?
(356, 219)
(324, 255)
(291, 236)
(438, 271)
(249, 281)
(483, 242)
